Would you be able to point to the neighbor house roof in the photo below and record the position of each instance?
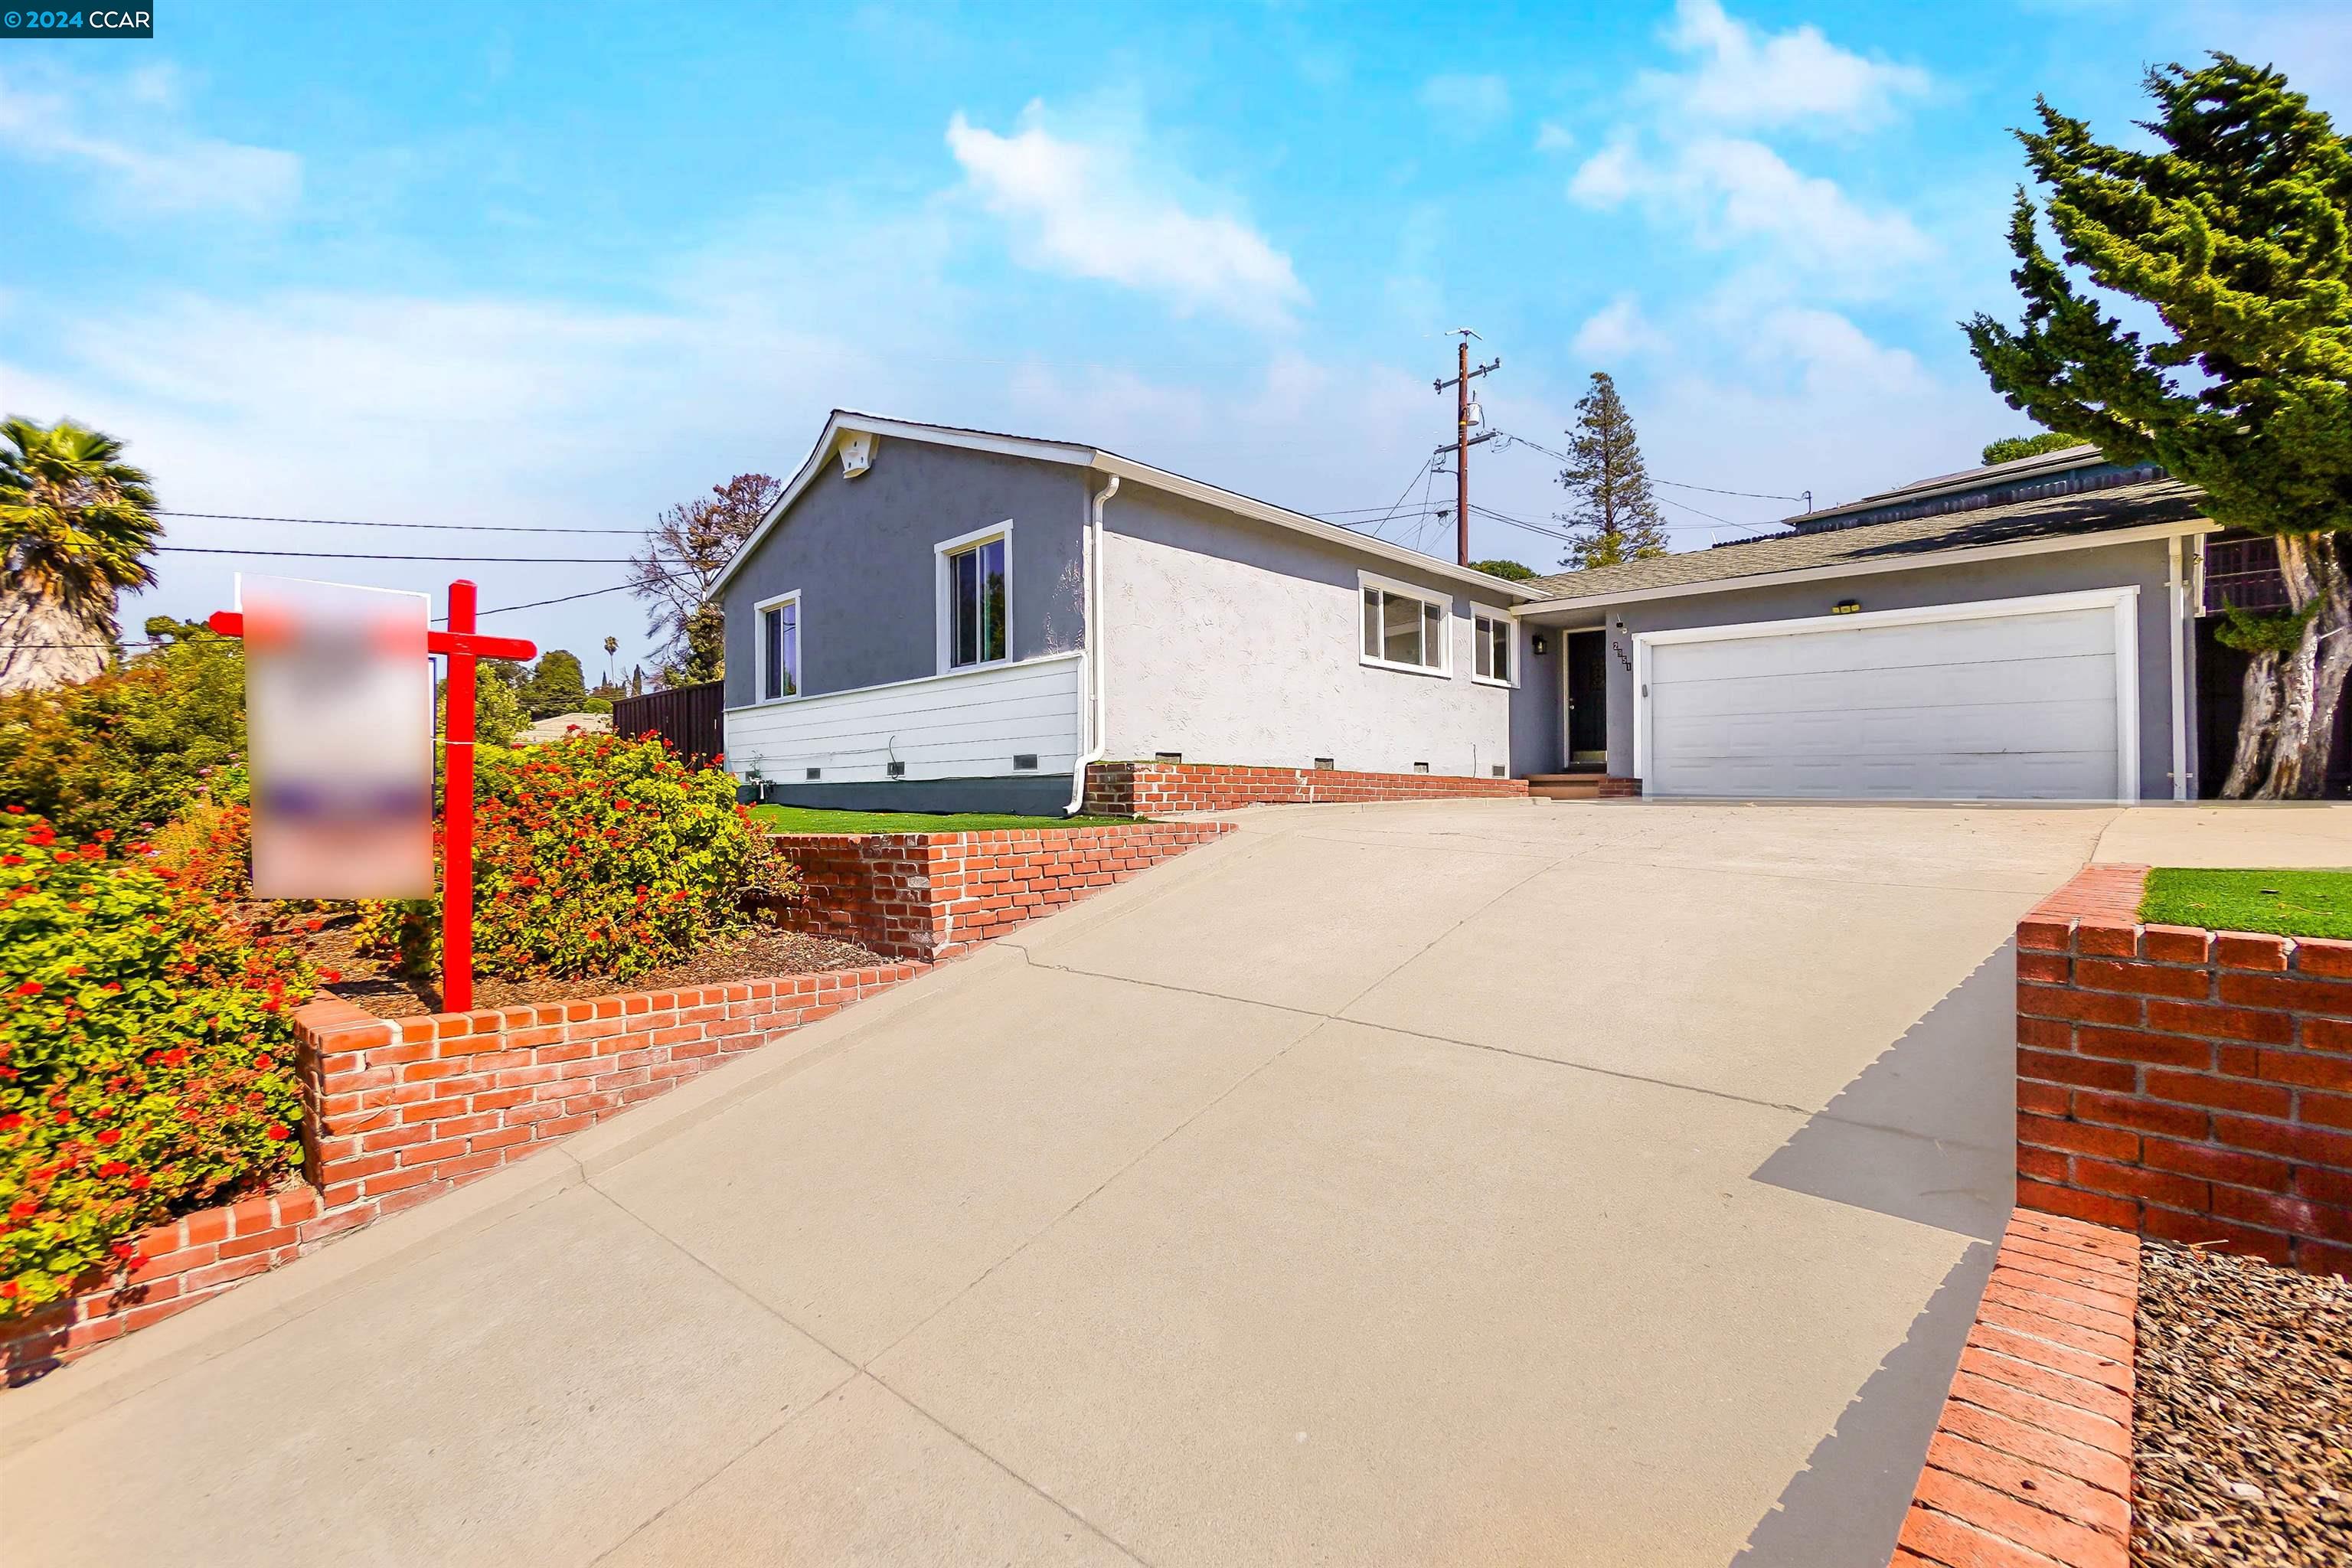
(1128, 469)
(2150, 509)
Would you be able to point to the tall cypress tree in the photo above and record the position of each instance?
(2236, 232)
(1613, 517)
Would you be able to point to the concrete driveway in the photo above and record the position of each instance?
(1472, 1182)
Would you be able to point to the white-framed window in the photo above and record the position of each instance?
(1405, 627)
(776, 647)
(1491, 642)
(975, 596)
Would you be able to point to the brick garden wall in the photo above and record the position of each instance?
(2031, 1463)
(183, 1262)
(399, 1110)
(929, 895)
(2185, 1084)
(1146, 789)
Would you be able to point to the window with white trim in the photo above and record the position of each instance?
(1404, 630)
(1490, 643)
(974, 579)
(778, 651)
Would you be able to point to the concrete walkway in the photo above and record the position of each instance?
(1481, 1183)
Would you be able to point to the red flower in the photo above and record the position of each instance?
(11, 1121)
(23, 1209)
(114, 1168)
(278, 1132)
(139, 1183)
(30, 988)
(111, 1136)
(8, 1287)
(265, 1061)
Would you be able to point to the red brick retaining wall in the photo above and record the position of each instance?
(1145, 789)
(2186, 1084)
(928, 895)
(407, 1107)
(2031, 1463)
(187, 1260)
(398, 1110)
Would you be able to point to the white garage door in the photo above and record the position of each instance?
(2010, 699)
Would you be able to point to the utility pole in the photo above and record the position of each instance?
(1463, 440)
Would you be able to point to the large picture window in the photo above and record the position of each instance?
(974, 590)
(780, 648)
(1404, 628)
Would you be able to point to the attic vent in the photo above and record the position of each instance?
(1498, 770)
(816, 772)
(1167, 756)
(898, 770)
(1324, 763)
(1420, 767)
(856, 453)
(1024, 760)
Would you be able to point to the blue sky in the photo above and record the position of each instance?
(568, 265)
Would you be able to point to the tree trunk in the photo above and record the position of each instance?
(2331, 632)
(43, 645)
(2311, 674)
(2257, 723)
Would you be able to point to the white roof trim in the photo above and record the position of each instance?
(2139, 535)
(1126, 469)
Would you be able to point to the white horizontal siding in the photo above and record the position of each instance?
(969, 724)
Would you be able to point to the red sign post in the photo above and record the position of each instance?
(463, 645)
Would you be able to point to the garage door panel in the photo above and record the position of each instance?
(1990, 730)
(2019, 704)
(2060, 634)
(2088, 678)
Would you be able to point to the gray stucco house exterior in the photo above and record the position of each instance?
(939, 618)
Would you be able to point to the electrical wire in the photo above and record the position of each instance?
(369, 555)
(444, 527)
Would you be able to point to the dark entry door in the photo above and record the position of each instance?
(1588, 699)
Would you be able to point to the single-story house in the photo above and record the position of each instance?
(941, 618)
(949, 619)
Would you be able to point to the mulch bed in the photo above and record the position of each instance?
(2242, 1437)
(373, 983)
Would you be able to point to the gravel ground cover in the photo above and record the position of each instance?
(2242, 1436)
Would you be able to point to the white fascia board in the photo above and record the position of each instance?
(2141, 535)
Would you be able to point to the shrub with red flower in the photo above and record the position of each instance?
(140, 1054)
(593, 854)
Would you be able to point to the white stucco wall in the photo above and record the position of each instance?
(1236, 643)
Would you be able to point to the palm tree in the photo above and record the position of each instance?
(75, 525)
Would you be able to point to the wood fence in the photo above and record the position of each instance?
(688, 718)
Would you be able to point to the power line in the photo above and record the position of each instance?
(1751, 495)
(444, 527)
(367, 555)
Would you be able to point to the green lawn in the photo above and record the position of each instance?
(2286, 903)
(809, 819)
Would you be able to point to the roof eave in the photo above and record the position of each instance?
(1961, 555)
(1100, 461)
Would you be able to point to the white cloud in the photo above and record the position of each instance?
(1728, 191)
(1085, 209)
(1617, 331)
(146, 164)
(1552, 136)
(1467, 105)
(1745, 77)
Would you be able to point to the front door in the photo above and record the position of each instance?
(1587, 701)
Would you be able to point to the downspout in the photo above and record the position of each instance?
(1093, 700)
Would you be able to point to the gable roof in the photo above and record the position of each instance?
(2163, 506)
(1128, 469)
